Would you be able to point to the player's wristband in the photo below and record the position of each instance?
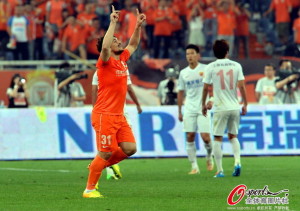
(211, 99)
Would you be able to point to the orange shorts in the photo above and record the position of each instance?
(110, 131)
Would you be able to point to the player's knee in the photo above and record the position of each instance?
(206, 141)
(129, 151)
(231, 136)
(105, 155)
(205, 138)
(190, 137)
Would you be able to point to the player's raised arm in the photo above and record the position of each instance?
(109, 36)
(135, 37)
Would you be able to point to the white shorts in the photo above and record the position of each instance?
(196, 123)
(223, 120)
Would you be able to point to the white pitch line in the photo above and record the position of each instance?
(38, 170)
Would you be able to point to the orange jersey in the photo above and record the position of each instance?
(174, 11)
(56, 8)
(148, 8)
(4, 15)
(281, 7)
(32, 26)
(75, 35)
(39, 26)
(296, 28)
(86, 18)
(130, 20)
(162, 27)
(181, 5)
(112, 85)
(42, 6)
(295, 3)
(13, 4)
(242, 25)
(91, 45)
(226, 23)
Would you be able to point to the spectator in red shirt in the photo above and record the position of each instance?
(296, 28)
(226, 23)
(41, 4)
(87, 15)
(39, 34)
(120, 34)
(13, 5)
(295, 7)
(54, 21)
(54, 10)
(129, 21)
(125, 11)
(4, 15)
(210, 26)
(242, 30)
(148, 7)
(178, 36)
(282, 10)
(58, 37)
(129, 27)
(74, 38)
(162, 29)
(93, 33)
(30, 15)
(181, 5)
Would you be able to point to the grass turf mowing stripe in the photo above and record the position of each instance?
(38, 170)
(148, 184)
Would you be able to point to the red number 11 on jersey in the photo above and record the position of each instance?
(222, 79)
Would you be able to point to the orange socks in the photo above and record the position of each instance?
(96, 167)
(116, 157)
(98, 164)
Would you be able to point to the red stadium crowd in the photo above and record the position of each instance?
(56, 29)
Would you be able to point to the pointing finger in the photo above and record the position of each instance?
(137, 11)
(112, 8)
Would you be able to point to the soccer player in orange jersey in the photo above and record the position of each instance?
(115, 140)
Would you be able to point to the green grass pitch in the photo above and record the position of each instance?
(147, 184)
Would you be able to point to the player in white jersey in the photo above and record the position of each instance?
(190, 82)
(225, 76)
(113, 172)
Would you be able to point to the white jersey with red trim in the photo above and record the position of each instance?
(191, 82)
(224, 75)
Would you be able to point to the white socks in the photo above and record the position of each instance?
(208, 148)
(191, 151)
(217, 150)
(236, 148)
